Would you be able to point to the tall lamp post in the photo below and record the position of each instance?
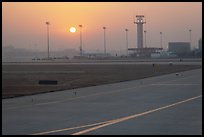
(127, 40)
(104, 28)
(80, 40)
(145, 38)
(190, 36)
(48, 23)
(161, 39)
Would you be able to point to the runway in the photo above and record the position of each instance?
(163, 105)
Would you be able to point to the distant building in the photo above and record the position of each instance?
(200, 44)
(179, 48)
(145, 52)
(93, 56)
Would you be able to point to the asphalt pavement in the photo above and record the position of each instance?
(163, 105)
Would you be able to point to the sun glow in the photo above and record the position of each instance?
(72, 29)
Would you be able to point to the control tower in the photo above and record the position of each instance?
(141, 51)
(140, 21)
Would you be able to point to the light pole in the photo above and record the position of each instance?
(190, 36)
(161, 38)
(104, 40)
(80, 48)
(127, 40)
(48, 23)
(145, 38)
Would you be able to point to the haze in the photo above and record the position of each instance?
(24, 25)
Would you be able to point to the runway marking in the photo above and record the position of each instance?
(71, 128)
(96, 94)
(70, 99)
(179, 79)
(114, 121)
(160, 84)
(133, 116)
(41, 72)
(46, 103)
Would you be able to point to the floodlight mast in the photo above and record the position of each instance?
(126, 41)
(161, 39)
(104, 40)
(190, 36)
(48, 23)
(80, 40)
(145, 38)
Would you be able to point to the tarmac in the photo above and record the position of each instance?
(163, 105)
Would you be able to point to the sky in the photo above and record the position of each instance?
(23, 24)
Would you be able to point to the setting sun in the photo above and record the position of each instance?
(72, 29)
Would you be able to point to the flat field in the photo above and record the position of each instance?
(23, 79)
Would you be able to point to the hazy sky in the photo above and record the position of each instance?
(23, 24)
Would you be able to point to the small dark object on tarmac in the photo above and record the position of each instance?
(170, 64)
(47, 82)
(75, 93)
(153, 65)
(177, 74)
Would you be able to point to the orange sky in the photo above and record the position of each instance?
(24, 25)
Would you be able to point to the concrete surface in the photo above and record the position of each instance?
(169, 104)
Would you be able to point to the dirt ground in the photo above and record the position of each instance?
(20, 80)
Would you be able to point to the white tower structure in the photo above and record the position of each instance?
(140, 21)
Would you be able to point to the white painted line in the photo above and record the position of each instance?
(96, 94)
(179, 78)
(133, 116)
(159, 84)
(104, 93)
(46, 103)
(41, 72)
(79, 97)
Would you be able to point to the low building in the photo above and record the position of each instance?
(93, 56)
(179, 48)
(144, 52)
